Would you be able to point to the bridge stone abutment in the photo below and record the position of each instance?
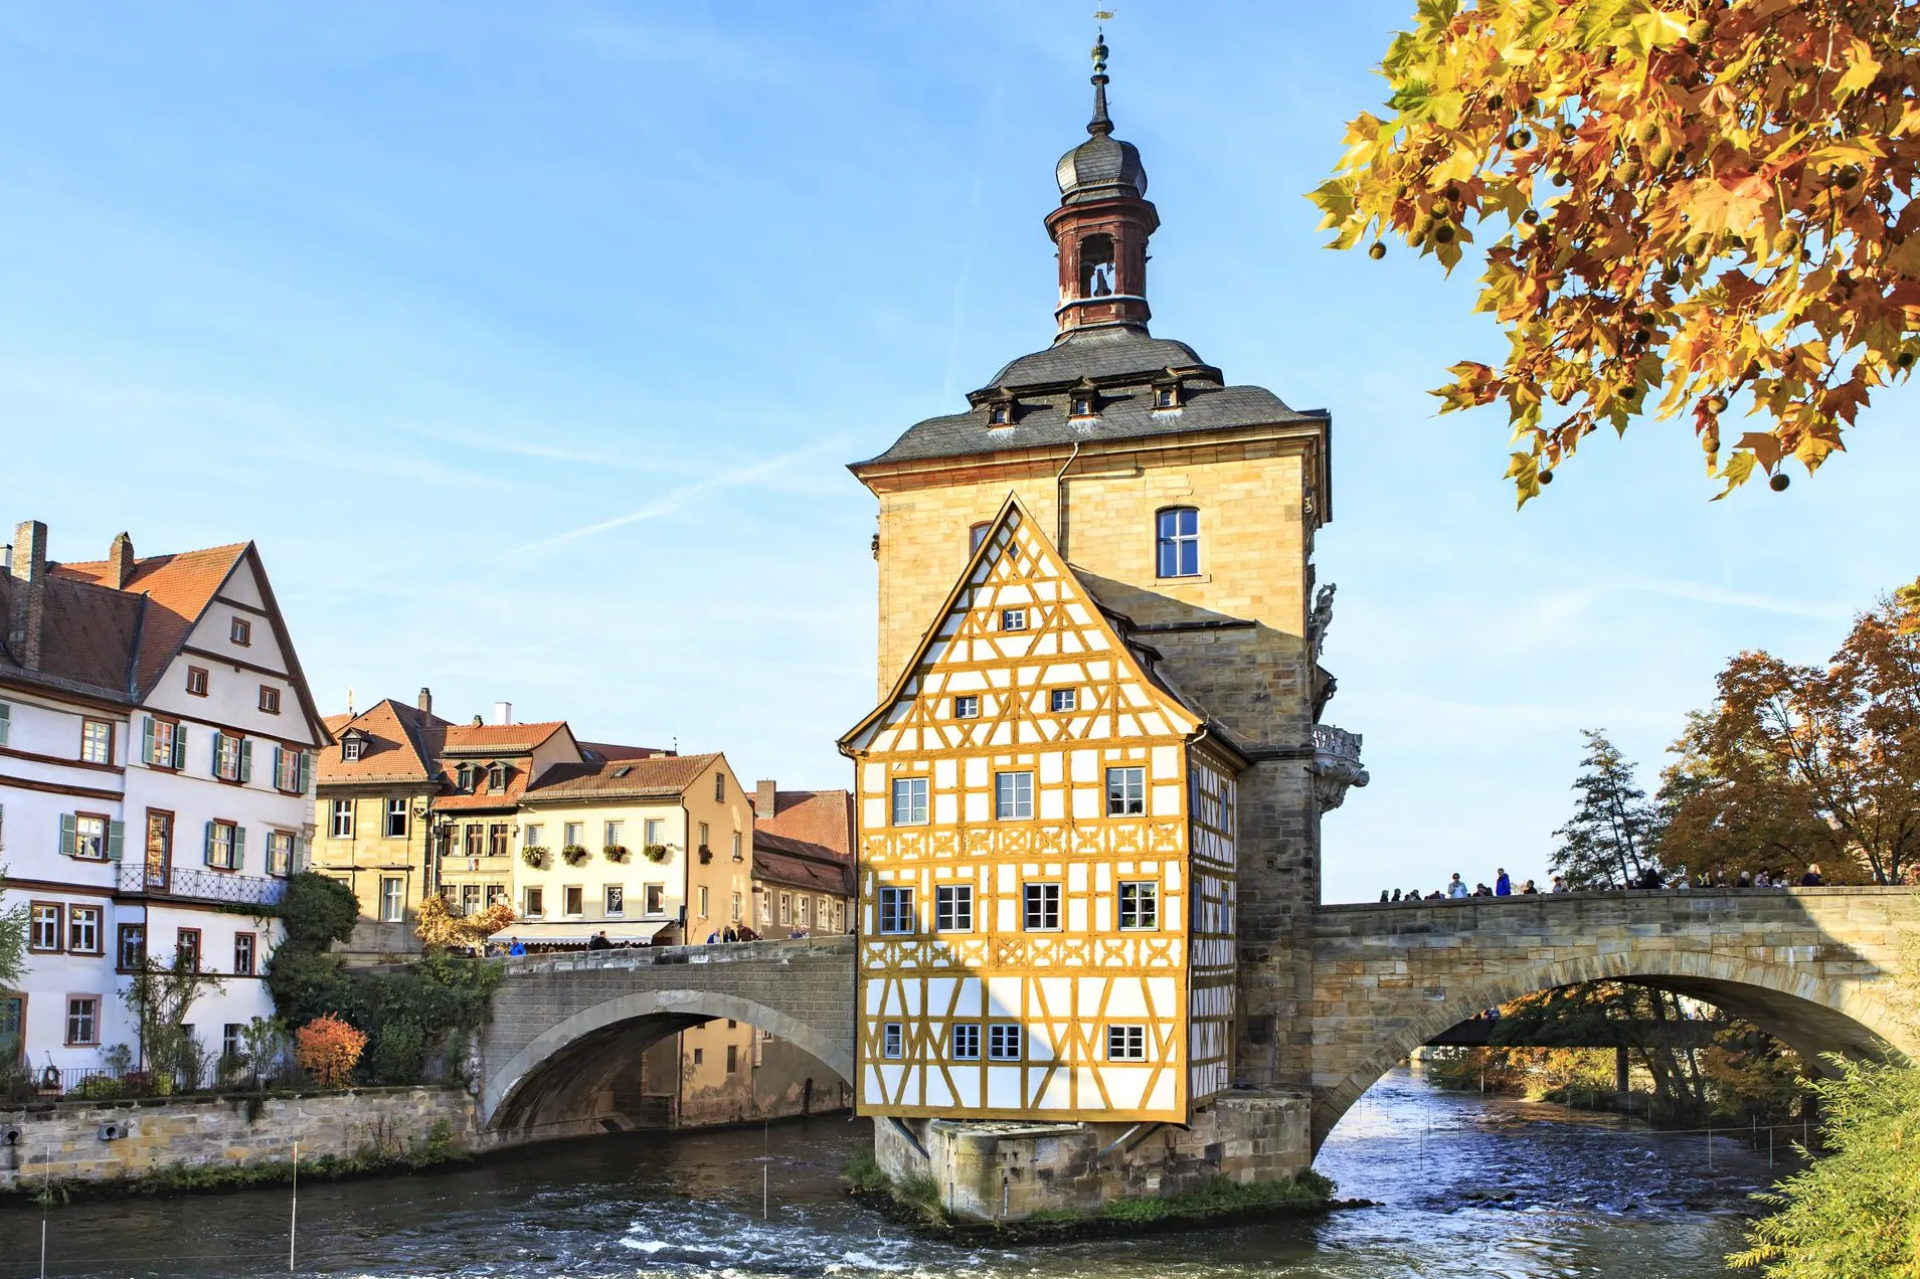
(561, 1056)
(1810, 966)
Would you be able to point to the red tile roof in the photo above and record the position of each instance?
(497, 739)
(611, 750)
(620, 779)
(799, 864)
(823, 817)
(394, 750)
(178, 589)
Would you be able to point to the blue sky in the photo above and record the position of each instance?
(530, 343)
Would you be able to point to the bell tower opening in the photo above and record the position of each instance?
(1102, 224)
(1096, 265)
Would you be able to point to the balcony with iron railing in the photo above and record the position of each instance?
(186, 883)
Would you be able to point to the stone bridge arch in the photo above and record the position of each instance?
(562, 1055)
(1809, 968)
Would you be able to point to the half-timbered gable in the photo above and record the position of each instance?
(1028, 862)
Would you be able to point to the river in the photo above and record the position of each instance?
(1501, 1187)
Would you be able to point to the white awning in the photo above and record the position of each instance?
(554, 932)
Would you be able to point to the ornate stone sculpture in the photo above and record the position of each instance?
(1320, 619)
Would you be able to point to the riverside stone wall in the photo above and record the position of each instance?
(104, 1141)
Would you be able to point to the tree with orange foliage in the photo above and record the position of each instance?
(1809, 763)
(328, 1049)
(1688, 206)
(440, 928)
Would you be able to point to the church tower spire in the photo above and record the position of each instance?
(1102, 224)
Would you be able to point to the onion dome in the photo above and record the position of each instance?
(1102, 167)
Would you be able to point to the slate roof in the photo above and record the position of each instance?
(1123, 363)
(598, 780)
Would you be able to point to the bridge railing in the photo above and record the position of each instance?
(658, 956)
(1616, 894)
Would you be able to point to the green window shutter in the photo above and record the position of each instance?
(146, 740)
(246, 760)
(239, 847)
(206, 855)
(218, 739)
(278, 760)
(306, 771)
(67, 834)
(179, 746)
(116, 840)
(6, 722)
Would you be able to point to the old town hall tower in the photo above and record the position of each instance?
(1090, 794)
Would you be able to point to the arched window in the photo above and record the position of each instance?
(1096, 265)
(1177, 542)
(977, 534)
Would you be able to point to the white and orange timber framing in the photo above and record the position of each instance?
(1043, 762)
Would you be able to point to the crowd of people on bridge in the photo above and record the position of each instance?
(1650, 878)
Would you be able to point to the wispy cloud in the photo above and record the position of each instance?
(1704, 594)
(675, 499)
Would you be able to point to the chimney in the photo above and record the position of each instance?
(120, 562)
(426, 701)
(27, 562)
(503, 712)
(764, 802)
(476, 721)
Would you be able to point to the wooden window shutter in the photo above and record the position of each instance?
(146, 740)
(116, 840)
(246, 760)
(6, 722)
(219, 739)
(279, 760)
(179, 746)
(306, 771)
(207, 853)
(67, 834)
(239, 847)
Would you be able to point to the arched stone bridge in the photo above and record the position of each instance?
(1809, 966)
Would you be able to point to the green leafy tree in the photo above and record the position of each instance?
(1610, 840)
(1684, 207)
(13, 939)
(160, 996)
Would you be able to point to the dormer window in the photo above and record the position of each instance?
(463, 777)
(497, 776)
(1083, 400)
(350, 749)
(1000, 414)
(1166, 395)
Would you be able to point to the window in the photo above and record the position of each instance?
(83, 930)
(342, 824)
(243, 954)
(232, 757)
(496, 894)
(287, 770)
(241, 632)
(497, 776)
(739, 852)
(703, 846)
(976, 535)
(967, 707)
(953, 908)
(232, 1040)
(656, 829)
(1012, 796)
(497, 836)
(800, 915)
(656, 899)
(909, 801)
(187, 947)
(223, 846)
(893, 1040)
(96, 741)
(463, 777)
(471, 899)
(131, 952)
(535, 902)
(1139, 905)
(396, 827)
(1013, 619)
(1126, 1043)
(786, 908)
(576, 834)
(966, 1042)
(1166, 396)
(614, 833)
(531, 833)
(47, 926)
(576, 899)
(616, 900)
(1003, 1041)
(1064, 699)
(839, 916)
(166, 745)
(699, 1054)
(719, 789)
(1042, 907)
(279, 852)
(393, 899)
(896, 910)
(83, 1020)
(350, 749)
(1178, 542)
(1000, 414)
(197, 680)
(476, 839)
(269, 699)
(90, 837)
(736, 908)
(1126, 792)
(703, 901)
(6, 722)
(159, 847)
(733, 1058)
(766, 908)
(1080, 405)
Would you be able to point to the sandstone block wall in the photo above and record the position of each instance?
(62, 1140)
